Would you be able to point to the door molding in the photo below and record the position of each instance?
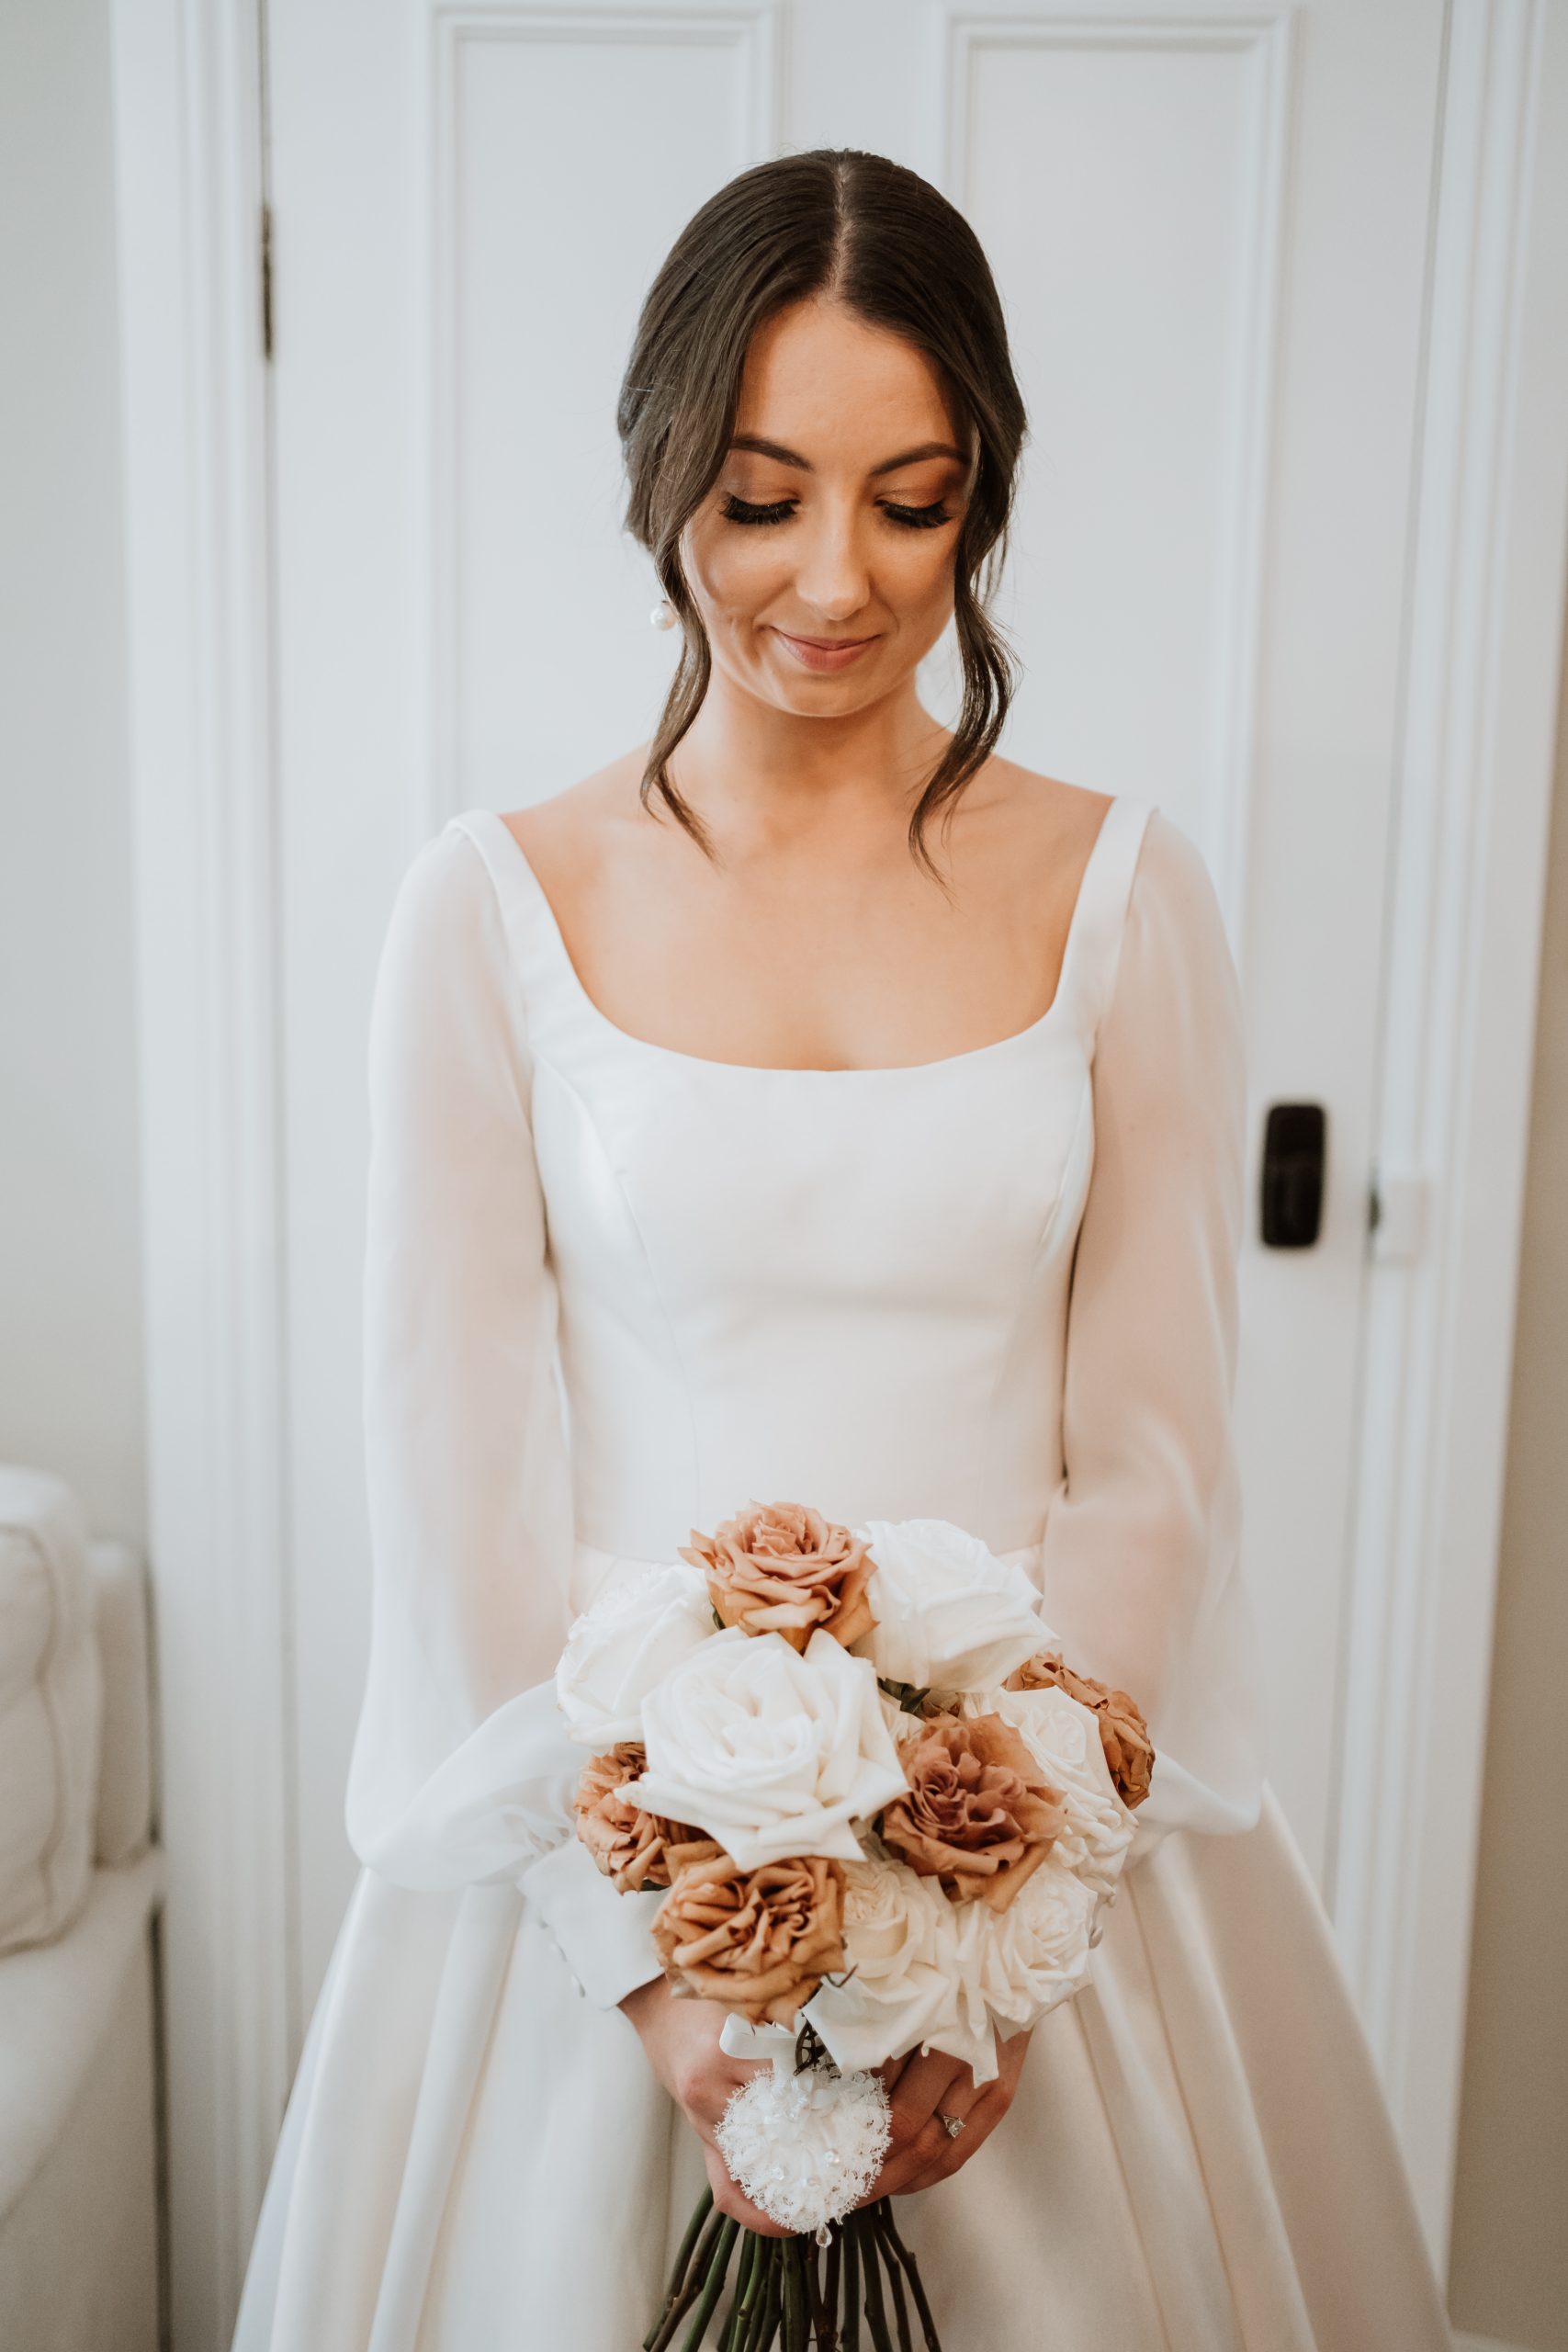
(449, 31)
(1264, 32)
(1472, 809)
(188, 123)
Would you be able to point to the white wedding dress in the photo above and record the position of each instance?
(613, 1292)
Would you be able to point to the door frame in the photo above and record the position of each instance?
(188, 107)
(1486, 562)
(1487, 568)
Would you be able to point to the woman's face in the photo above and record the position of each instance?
(834, 517)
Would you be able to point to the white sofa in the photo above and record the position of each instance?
(82, 1882)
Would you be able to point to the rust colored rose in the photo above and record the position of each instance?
(757, 1941)
(1123, 1734)
(979, 1815)
(782, 1568)
(636, 1850)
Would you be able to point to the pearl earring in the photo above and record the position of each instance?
(663, 613)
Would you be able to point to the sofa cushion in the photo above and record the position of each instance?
(56, 2001)
(51, 1708)
(127, 1768)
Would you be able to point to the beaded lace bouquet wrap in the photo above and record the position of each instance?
(886, 1812)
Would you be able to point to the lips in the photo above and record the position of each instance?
(824, 652)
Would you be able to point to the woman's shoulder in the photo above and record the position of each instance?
(566, 835)
(1172, 878)
(454, 920)
(1037, 821)
(1155, 923)
(1051, 821)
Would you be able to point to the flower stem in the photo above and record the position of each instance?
(876, 2312)
(713, 2287)
(895, 2288)
(830, 2292)
(824, 2327)
(764, 2326)
(793, 2296)
(732, 2338)
(686, 2283)
(911, 2271)
(688, 2244)
(851, 2228)
(784, 2295)
(879, 2227)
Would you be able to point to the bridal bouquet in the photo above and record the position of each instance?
(885, 1813)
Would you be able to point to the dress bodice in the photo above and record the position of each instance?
(840, 1286)
(613, 1292)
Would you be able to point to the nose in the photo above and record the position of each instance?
(833, 579)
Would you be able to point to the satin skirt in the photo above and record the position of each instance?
(1198, 2157)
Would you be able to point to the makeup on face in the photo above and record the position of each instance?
(828, 541)
(929, 516)
(824, 653)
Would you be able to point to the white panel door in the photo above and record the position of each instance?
(1210, 231)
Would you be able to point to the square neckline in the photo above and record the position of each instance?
(590, 1010)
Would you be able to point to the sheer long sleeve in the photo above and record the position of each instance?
(461, 1771)
(1142, 1570)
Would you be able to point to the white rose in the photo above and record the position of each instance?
(1036, 1952)
(951, 1616)
(900, 1950)
(637, 1631)
(772, 1752)
(1063, 1735)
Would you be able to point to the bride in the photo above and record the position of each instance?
(813, 1104)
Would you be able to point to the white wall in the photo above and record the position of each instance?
(1508, 2271)
(70, 1292)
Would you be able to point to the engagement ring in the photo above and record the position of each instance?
(951, 2124)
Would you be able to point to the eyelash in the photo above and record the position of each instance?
(908, 518)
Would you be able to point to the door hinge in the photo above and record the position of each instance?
(1398, 1211)
(266, 281)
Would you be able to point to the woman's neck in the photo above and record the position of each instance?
(759, 777)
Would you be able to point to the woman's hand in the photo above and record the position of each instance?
(680, 2039)
(924, 2151)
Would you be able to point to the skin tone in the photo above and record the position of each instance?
(815, 942)
(681, 2040)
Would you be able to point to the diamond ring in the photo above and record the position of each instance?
(951, 2124)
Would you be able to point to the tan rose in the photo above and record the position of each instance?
(979, 1815)
(636, 1850)
(757, 1941)
(1123, 1734)
(782, 1568)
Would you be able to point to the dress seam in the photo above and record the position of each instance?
(1047, 1236)
(543, 1060)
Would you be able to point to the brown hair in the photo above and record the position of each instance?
(875, 236)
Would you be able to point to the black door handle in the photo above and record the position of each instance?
(1294, 1150)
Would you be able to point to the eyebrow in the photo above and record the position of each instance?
(888, 466)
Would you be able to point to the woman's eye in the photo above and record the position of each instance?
(919, 518)
(908, 518)
(736, 510)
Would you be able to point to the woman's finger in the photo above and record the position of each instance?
(918, 2136)
(979, 2112)
(921, 2089)
(953, 2150)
